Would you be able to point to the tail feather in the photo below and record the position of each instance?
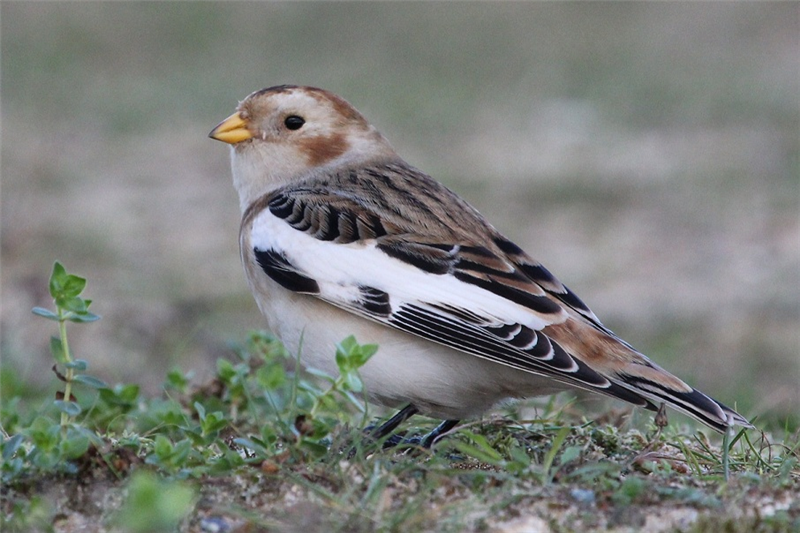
(693, 403)
(633, 377)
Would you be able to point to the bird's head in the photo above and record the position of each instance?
(282, 134)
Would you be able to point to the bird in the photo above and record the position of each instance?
(341, 236)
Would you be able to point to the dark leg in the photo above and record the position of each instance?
(390, 425)
(439, 431)
(425, 441)
(661, 417)
(661, 422)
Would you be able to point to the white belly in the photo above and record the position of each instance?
(439, 381)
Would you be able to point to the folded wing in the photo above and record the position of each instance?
(415, 257)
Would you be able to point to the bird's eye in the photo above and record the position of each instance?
(293, 122)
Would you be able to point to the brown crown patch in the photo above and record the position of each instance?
(274, 89)
(339, 104)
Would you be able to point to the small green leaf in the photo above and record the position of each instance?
(351, 356)
(343, 350)
(78, 364)
(201, 411)
(128, 392)
(11, 446)
(86, 433)
(271, 376)
(90, 381)
(313, 447)
(120, 395)
(84, 318)
(65, 290)
(57, 349)
(72, 304)
(46, 313)
(154, 505)
(367, 351)
(482, 451)
(177, 380)
(72, 286)
(251, 445)
(56, 279)
(352, 381)
(520, 457)
(547, 463)
(44, 433)
(213, 423)
(70, 408)
(347, 345)
(194, 434)
(482, 455)
(225, 370)
(181, 451)
(570, 454)
(320, 374)
(74, 446)
(162, 446)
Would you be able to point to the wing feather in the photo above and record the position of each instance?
(412, 255)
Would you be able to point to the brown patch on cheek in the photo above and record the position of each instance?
(323, 148)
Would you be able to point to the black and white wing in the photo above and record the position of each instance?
(410, 254)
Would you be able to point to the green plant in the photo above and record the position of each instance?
(65, 289)
(297, 410)
(154, 505)
(263, 426)
(42, 444)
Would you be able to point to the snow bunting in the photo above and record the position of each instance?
(340, 236)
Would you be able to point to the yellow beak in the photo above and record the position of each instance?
(232, 130)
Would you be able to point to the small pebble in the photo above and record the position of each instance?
(582, 495)
(214, 524)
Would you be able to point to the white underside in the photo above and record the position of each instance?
(440, 382)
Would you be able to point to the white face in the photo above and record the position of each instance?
(294, 132)
(267, 115)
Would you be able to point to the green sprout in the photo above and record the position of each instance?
(65, 289)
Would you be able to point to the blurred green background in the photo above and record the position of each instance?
(646, 153)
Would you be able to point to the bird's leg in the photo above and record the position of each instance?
(424, 441)
(390, 425)
(438, 432)
(401, 416)
(661, 419)
(661, 422)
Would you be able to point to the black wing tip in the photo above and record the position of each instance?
(733, 418)
(709, 411)
(694, 403)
